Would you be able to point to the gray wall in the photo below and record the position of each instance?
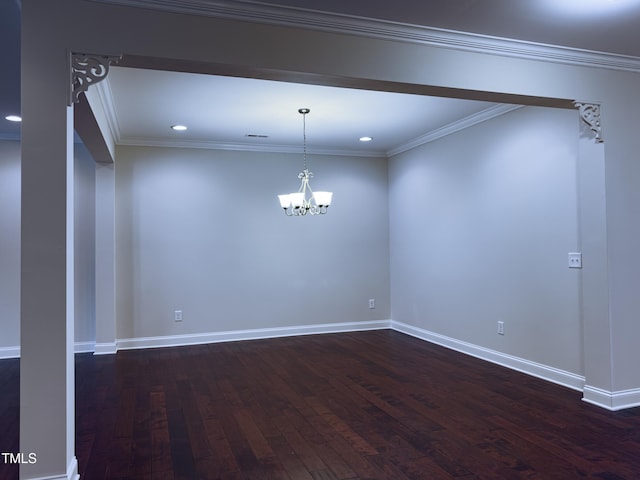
(480, 228)
(481, 224)
(10, 245)
(84, 240)
(202, 231)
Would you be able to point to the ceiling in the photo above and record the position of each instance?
(221, 111)
(244, 113)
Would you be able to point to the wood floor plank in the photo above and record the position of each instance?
(222, 459)
(141, 450)
(289, 425)
(257, 441)
(197, 435)
(291, 462)
(160, 441)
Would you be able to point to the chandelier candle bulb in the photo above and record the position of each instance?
(298, 203)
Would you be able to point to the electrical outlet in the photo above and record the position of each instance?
(372, 303)
(177, 315)
(575, 260)
(500, 328)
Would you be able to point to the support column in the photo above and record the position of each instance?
(47, 416)
(105, 260)
(596, 321)
(51, 81)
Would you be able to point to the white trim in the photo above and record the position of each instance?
(212, 337)
(453, 127)
(105, 348)
(84, 347)
(387, 30)
(611, 400)
(72, 472)
(545, 372)
(243, 147)
(251, 334)
(78, 347)
(9, 352)
(105, 97)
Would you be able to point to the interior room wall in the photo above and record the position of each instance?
(481, 225)
(84, 241)
(202, 231)
(9, 245)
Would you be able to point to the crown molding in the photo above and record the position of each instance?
(387, 30)
(454, 127)
(245, 147)
(105, 97)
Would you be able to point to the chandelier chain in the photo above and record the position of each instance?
(304, 138)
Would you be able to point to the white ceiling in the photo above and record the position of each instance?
(221, 111)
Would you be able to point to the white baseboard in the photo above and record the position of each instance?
(551, 374)
(84, 347)
(212, 337)
(251, 334)
(78, 347)
(105, 348)
(611, 400)
(617, 400)
(72, 473)
(9, 352)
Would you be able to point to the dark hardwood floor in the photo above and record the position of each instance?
(370, 405)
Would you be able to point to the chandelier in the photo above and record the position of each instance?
(305, 200)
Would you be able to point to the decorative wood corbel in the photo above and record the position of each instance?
(87, 69)
(590, 115)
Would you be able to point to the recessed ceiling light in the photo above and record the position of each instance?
(179, 128)
(13, 118)
(587, 7)
(365, 139)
